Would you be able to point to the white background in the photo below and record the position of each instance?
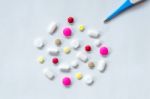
(128, 35)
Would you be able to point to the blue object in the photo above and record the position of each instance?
(127, 4)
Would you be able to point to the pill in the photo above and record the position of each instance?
(91, 64)
(79, 75)
(38, 43)
(67, 32)
(81, 28)
(104, 51)
(87, 48)
(55, 60)
(64, 68)
(66, 81)
(67, 50)
(57, 42)
(53, 51)
(70, 19)
(102, 65)
(74, 64)
(81, 56)
(88, 79)
(48, 74)
(75, 44)
(52, 28)
(93, 33)
(41, 59)
(98, 43)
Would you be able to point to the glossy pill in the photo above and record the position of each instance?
(66, 81)
(67, 32)
(55, 60)
(104, 51)
(88, 48)
(70, 19)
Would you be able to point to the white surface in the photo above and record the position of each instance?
(128, 35)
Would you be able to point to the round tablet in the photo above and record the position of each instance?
(104, 51)
(70, 19)
(66, 81)
(81, 28)
(39, 43)
(79, 75)
(58, 42)
(41, 59)
(55, 60)
(67, 50)
(67, 32)
(88, 79)
(91, 65)
(88, 48)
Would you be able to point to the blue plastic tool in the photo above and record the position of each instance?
(127, 4)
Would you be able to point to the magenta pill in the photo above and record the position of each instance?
(66, 81)
(104, 51)
(67, 32)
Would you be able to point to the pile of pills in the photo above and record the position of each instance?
(82, 53)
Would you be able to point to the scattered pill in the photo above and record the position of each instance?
(104, 51)
(58, 42)
(79, 75)
(98, 43)
(48, 73)
(74, 64)
(39, 43)
(81, 56)
(55, 60)
(52, 28)
(91, 65)
(66, 81)
(101, 65)
(93, 33)
(53, 51)
(88, 79)
(67, 32)
(64, 68)
(70, 19)
(87, 48)
(75, 44)
(41, 59)
(67, 50)
(81, 28)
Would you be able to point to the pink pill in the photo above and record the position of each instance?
(66, 81)
(67, 32)
(104, 51)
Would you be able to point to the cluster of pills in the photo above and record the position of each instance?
(80, 55)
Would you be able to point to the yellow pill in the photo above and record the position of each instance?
(79, 76)
(41, 59)
(81, 28)
(67, 50)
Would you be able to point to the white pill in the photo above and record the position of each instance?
(53, 51)
(81, 56)
(64, 68)
(74, 64)
(52, 28)
(75, 44)
(98, 43)
(39, 43)
(102, 65)
(93, 33)
(88, 79)
(48, 73)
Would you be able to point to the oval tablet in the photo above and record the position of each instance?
(74, 64)
(39, 43)
(93, 33)
(101, 65)
(64, 68)
(52, 28)
(53, 51)
(75, 44)
(81, 56)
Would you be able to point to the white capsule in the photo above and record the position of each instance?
(102, 65)
(74, 64)
(52, 28)
(64, 68)
(88, 79)
(39, 43)
(98, 42)
(81, 56)
(48, 73)
(53, 51)
(75, 44)
(93, 33)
